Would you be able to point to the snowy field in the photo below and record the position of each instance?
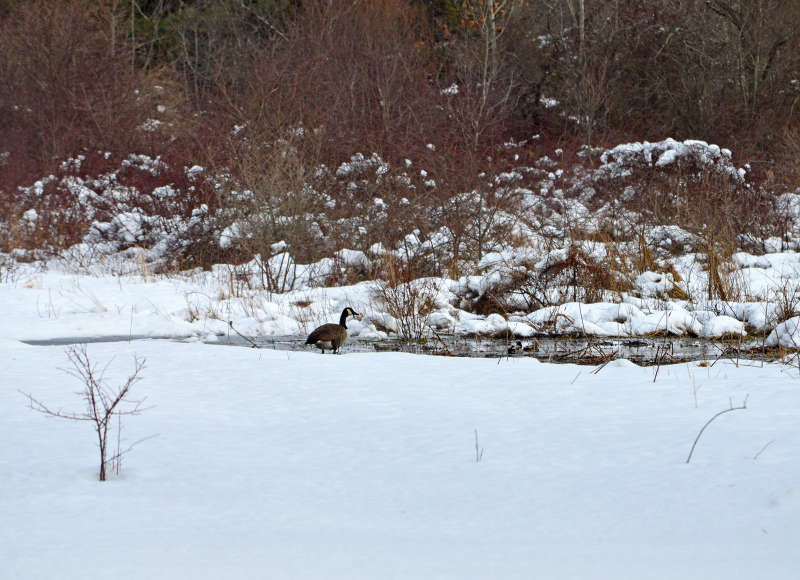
(269, 464)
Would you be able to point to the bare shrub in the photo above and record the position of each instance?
(576, 277)
(273, 197)
(479, 220)
(307, 318)
(785, 300)
(410, 302)
(9, 270)
(279, 272)
(104, 404)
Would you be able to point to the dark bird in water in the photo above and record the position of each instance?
(331, 336)
(518, 347)
(515, 348)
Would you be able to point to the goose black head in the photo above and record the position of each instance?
(348, 312)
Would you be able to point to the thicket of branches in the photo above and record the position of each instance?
(77, 72)
(331, 78)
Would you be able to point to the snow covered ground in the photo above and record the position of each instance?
(271, 464)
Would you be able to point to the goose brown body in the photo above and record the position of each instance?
(331, 336)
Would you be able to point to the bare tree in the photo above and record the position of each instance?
(103, 403)
(758, 31)
(487, 90)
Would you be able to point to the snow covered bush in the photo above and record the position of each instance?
(525, 281)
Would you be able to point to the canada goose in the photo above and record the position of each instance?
(332, 336)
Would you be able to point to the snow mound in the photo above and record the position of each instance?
(786, 334)
(610, 319)
(623, 159)
(723, 326)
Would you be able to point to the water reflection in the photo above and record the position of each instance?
(643, 351)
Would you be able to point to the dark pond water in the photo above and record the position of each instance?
(595, 351)
(643, 351)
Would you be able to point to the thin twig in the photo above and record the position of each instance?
(603, 365)
(253, 343)
(732, 408)
(130, 448)
(755, 457)
(441, 341)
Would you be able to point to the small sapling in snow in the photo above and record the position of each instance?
(103, 404)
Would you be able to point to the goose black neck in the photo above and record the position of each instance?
(343, 318)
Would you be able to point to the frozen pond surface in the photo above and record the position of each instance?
(68, 340)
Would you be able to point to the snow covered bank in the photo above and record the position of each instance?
(539, 248)
(53, 303)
